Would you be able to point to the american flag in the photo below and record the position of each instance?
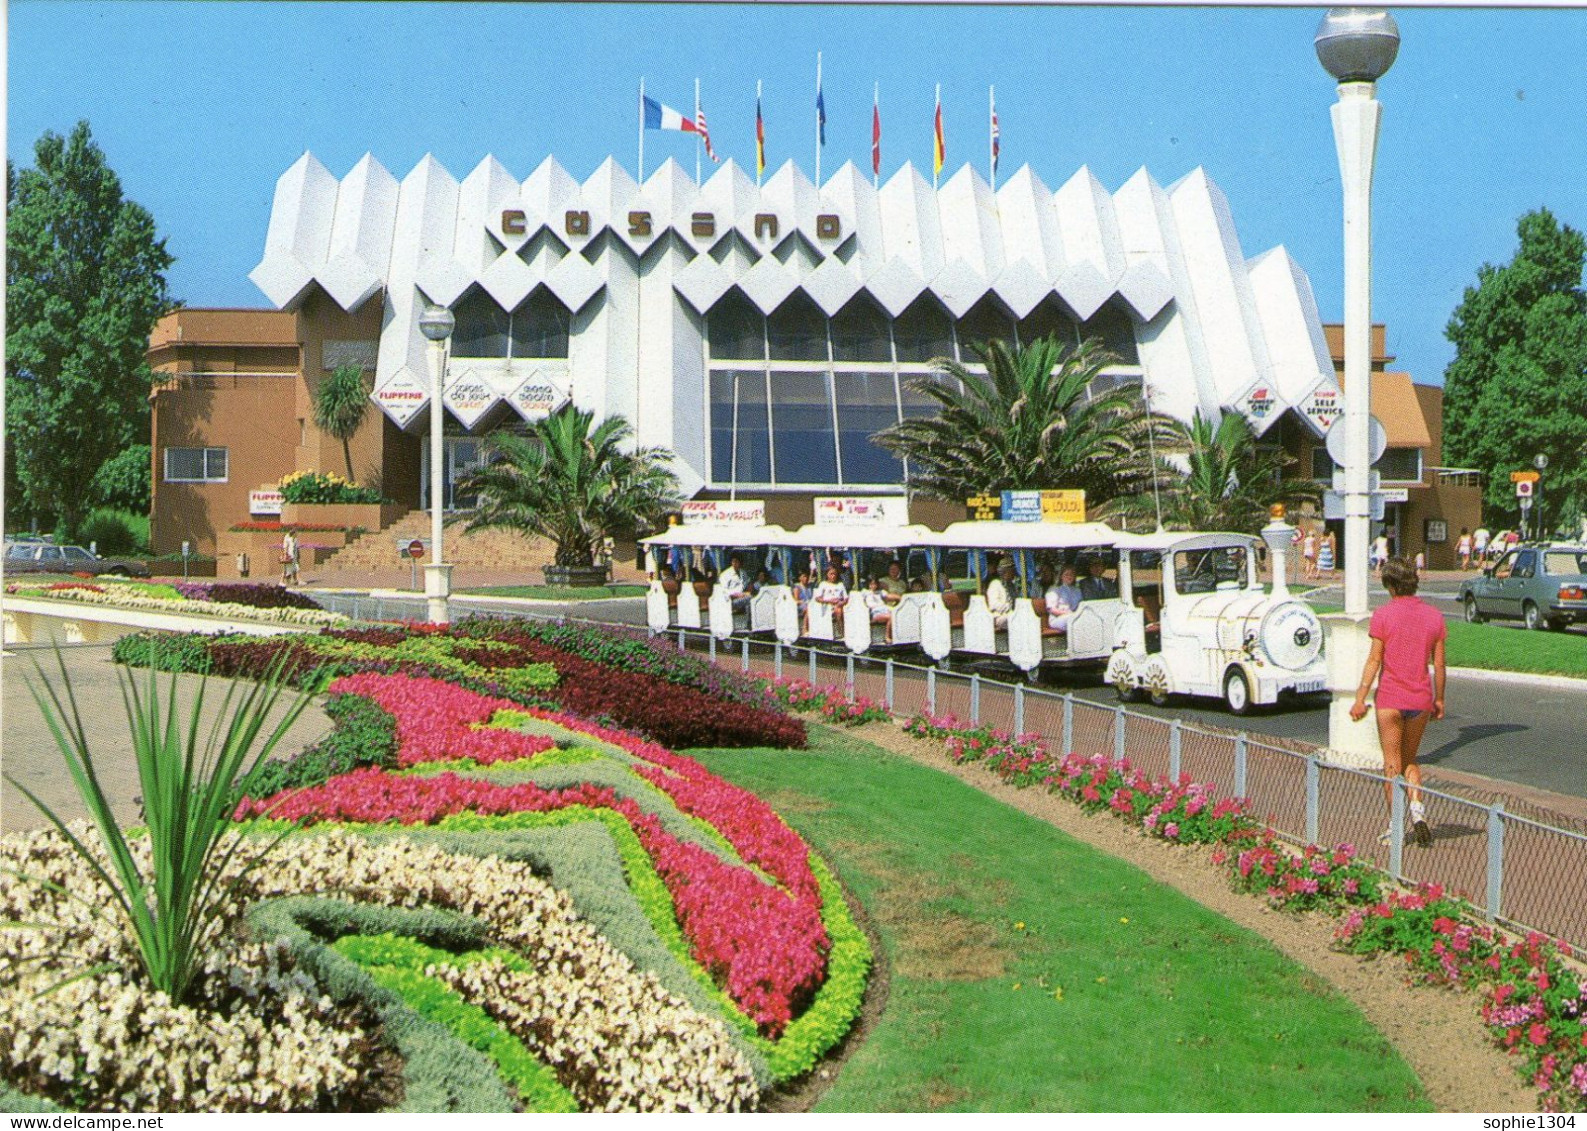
(705, 134)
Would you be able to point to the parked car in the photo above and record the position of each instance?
(43, 557)
(1543, 586)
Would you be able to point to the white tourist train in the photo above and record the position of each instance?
(1168, 613)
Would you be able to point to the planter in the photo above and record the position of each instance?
(371, 516)
(584, 577)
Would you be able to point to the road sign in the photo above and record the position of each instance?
(1377, 441)
(1524, 477)
(416, 549)
(1523, 490)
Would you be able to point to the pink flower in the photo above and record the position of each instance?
(1171, 830)
(1538, 1034)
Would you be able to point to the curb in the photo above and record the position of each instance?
(1562, 682)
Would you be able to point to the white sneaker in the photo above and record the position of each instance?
(1386, 836)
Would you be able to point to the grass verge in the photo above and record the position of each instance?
(1030, 972)
(557, 592)
(1506, 647)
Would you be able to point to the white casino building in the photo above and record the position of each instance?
(763, 334)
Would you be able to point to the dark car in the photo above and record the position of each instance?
(1542, 586)
(44, 557)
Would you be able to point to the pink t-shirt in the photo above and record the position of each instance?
(1408, 627)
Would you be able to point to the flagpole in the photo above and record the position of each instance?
(641, 129)
(876, 142)
(991, 142)
(818, 119)
(697, 132)
(936, 119)
(758, 163)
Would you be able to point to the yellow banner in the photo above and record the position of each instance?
(1063, 506)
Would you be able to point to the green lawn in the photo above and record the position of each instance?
(1509, 648)
(1516, 650)
(1030, 972)
(558, 592)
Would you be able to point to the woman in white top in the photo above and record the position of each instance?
(1062, 600)
(876, 604)
(1308, 553)
(1000, 596)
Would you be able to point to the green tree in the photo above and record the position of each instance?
(123, 480)
(339, 406)
(1030, 423)
(85, 282)
(571, 481)
(1518, 385)
(1231, 482)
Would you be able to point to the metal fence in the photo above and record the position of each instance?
(1519, 871)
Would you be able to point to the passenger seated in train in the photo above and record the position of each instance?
(918, 585)
(892, 586)
(735, 584)
(1000, 596)
(802, 593)
(876, 604)
(833, 592)
(762, 579)
(1062, 600)
(1096, 584)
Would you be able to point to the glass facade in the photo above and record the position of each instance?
(538, 328)
(795, 397)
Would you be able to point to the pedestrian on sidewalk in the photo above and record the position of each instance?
(289, 558)
(1407, 636)
(1463, 548)
(1325, 556)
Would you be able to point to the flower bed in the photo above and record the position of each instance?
(1535, 1003)
(450, 921)
(511, 662)
(233, 602)
(833, 704)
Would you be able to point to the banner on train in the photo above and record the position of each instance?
(744, 512)
(872, 510)
(1029, 506)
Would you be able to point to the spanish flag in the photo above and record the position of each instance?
(939, 148)
(760, 138)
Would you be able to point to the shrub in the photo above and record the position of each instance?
(115, 532)
(166, 651)
(325, 487)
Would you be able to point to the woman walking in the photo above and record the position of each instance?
(1463, 548)
(1325, 555)
(289, 558)
(1407, 636)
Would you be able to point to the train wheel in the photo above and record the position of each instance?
(1237, 692)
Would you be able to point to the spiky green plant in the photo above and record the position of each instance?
(340, 402)
(189, 783)
(1029, 422)
(572, 481)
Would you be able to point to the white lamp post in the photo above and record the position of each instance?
(436, 324)
(1356, 46)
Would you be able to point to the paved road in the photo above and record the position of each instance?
(32, 758)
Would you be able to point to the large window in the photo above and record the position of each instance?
(538, 328)
(795, 397)
(195, 465)
(1401, 465)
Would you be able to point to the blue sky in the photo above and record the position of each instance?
(201, 106)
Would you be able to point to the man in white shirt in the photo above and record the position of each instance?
(1000, 596)
(733, 583)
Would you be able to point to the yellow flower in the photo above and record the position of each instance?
(1058, 993)
(1102, 981)
(1018, 985)
(1124, 918)
(1020, 926)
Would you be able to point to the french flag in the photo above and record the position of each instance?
(659, 117)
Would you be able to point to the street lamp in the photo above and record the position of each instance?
(1356, 46)
(436, 324)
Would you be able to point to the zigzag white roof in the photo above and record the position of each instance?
(1232, 324)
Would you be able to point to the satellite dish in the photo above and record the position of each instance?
(1377, 440)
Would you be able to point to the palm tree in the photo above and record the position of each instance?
(1030, 422)
(572, 484)
(1231, 482)
(339, 406)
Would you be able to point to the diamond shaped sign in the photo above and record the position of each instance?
(402, 397)
(469, 396)
(539, 396)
